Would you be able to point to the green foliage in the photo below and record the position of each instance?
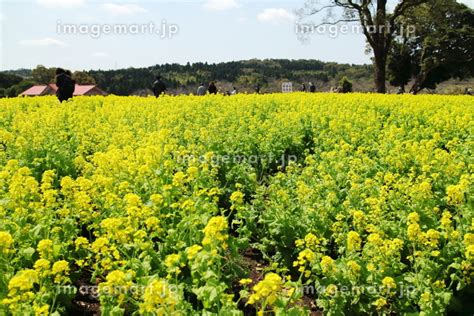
(345, 85)
(399, 65)
(441, 48)
(17, 89)
(43, 75)
(83, 78)
(7, 80)
(245, 74)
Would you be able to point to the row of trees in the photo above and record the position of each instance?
(13, 84)
(248, 74)
(440, 47)
(44, 75)
(267, 74)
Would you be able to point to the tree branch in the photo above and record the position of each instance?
(336, 22)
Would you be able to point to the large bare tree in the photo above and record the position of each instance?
(377, 22)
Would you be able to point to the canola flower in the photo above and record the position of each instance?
(237, 197)
(353, 241)
(81, 242)
(305, 259)
(327, 264)
(41, 310)
(380, 303)
(173, 264)
(193, 251)
(42, 266)
(389, 283)
(23, 281)
(267, 290)
(311, 241)
(45, 248)
(159, 299)
(215, 232)
(6, 242)
(380, 191)
(117, 285)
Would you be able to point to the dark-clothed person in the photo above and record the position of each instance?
(212, 88)
(66, 85)
(159, 87)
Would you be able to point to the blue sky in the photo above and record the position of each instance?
(208, 31)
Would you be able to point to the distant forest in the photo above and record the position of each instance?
(244, 75)
(268, 74)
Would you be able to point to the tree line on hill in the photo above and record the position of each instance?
(186, 78)
(13, 83)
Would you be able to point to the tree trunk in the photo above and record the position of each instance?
(380, 63)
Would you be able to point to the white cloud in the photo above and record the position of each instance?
(275, 16)
(123, 9)
(100, 55)
(469, 3)
(44, 42)
(221, 5)
(61, 4)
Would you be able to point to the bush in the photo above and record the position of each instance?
(345, 85)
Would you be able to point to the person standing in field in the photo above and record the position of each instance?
(303, 88)
(257, 89)
(201, 91)
(234, 91)
(66, 85)
(212, 88)
(159, 87)
(312, 87)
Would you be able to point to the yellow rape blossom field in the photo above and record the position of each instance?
(291, 204)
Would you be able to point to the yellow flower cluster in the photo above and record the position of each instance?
(215, 232)
(60, 270)
(305, 258)
(20, 290)
(469, 244)
(193, 251)
(23, 281)
(42, 266)
(173, 264)
(327, 264)
(310, 241)
(266, 290)
(117, 284)
(353, 241)
(45, 248)
(159, 299)
(6, 242)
